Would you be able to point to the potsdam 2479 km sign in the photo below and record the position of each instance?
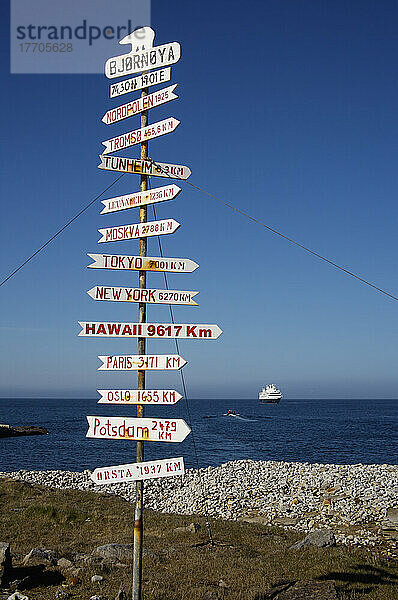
(139, 429)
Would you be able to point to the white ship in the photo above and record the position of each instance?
(270, 394)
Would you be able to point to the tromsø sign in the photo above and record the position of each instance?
(142, 263)
(160, 194)
(142, 362)
(134, 107)
(150, 330)
(138, 397)
(140, 135)
(140, 166)
(132, 428)
(150, 296)
(152, 469)
(138, 230)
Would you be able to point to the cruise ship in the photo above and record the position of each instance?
(270, 394)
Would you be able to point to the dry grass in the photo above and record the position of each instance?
(248, 558)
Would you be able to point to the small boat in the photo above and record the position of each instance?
(270, 394)
(231, 413)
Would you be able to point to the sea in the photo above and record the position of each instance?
(313, 431)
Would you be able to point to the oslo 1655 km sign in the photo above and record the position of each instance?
(142, 362)
(138, 230)
(140, 429)
(142, 263)
(124, 294)
(148, 330)
(160, 194)
(138, 397)
(151, 469)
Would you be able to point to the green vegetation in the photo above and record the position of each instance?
(181, 565)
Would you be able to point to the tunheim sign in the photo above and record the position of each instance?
(140, 166)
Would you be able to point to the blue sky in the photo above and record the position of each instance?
(288, 111)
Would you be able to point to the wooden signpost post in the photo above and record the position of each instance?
(143, 58)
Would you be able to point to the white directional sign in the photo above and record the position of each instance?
(133, 428)
(137, 83)
(125, 294)
(139, 397)
(151, 58)
(151, 469)
(142, 362)
(142, 263)
(160, 194)
(140, 166)
(150, 330)
(134, 107)
(125, 140)
(138, 230)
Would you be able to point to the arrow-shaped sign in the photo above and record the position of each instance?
(142, 362)
(140, 166)
(134, 107)
(150, 330)
(150, 296)
(142, 263)
(160, 194)
(139, 397)
(138, 230)
(137, 83)
(140, 429)
(138, 136)
(151, 469)
(151, 58)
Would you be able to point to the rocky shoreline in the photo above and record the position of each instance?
(359, 503)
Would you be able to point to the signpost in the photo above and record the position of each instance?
(138, 230)
(143, 167)
(142, 362)
(150, 330)
(124, 294)
(152, 58)
(140, 135)
(138, 83)
(138, 397)
(160, 194)
(134, 107)
(138, 429)
(152, 469)
(139, 263)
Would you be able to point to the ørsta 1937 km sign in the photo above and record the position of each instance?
(150, 296)
(125, 140)
(150, 330)
(151, 58)
(134, 107)
(139, 397)
(137, 230)
(151, 469)
(142, 263)
(137, 83)
(140, 429)
(160, 194)
(138, 166)
(142, 362)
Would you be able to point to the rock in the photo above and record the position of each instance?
(17, 596)
(64, 563)
(222, 584)
(192, 528)
(120, 552)
(321, 538)
(97, 579)
(284, 521)
(310, 590)
(62, 594)
(21, 584)
(392, 516)
(96, 597)
(259, 520)
(40, 556)
(5, 563)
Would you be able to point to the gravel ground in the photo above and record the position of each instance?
(358, 502)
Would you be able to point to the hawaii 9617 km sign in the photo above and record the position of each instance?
(152, 469)
(150, 330)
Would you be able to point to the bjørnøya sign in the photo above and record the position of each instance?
(160, 194)
(134, 107)
(150, 330)
(137, 83)
(150, 296)
(137, 230)
(138, 166)
(139, 397)
(140, 429)
(125, 140)
(142, 263)
(142, 362)
(151, 469)
(151, 58)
